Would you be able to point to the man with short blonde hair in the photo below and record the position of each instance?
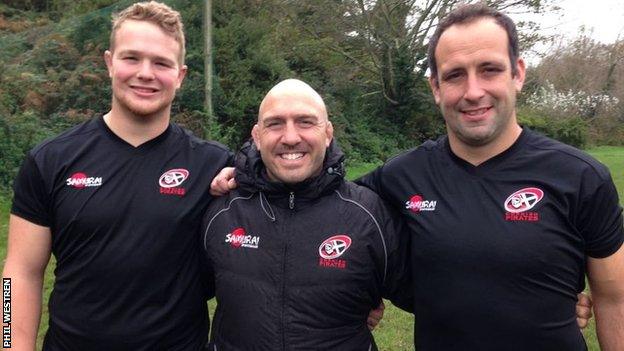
(118, 201)
(158, 13)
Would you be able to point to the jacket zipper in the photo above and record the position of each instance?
(284, 298)
(291, 205)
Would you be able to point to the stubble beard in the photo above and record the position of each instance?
(139, 111)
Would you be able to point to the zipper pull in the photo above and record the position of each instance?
(291, 201)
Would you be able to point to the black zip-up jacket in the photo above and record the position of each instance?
(300, 267)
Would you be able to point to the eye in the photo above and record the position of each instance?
(492, 71)
(306, 123)
(129, 58)
(452, 76)
(163, 64)
(273, 124)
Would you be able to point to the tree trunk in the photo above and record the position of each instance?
(208, 69)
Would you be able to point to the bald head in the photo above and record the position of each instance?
(293, 90)
(292, 133)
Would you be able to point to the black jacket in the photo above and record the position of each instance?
(300, 267)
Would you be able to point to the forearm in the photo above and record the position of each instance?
(26, 297)
(609, 314)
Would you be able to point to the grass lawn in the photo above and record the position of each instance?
(395, 331)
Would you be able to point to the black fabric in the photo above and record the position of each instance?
(274, 291)
(127, 274)
(488, 278)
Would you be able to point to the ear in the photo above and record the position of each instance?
(255, 134)
(520, 74)
(181, 75)
(435, 89)
(108, 59)
(329, 132)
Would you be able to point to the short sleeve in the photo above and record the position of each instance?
(600, 217)
(31, 200)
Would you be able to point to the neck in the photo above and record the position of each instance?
(477, 154)
(135, 129)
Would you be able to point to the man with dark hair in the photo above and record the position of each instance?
(118, 201)
(504, 222)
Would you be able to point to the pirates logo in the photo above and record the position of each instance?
(523, 200)
(334, 247)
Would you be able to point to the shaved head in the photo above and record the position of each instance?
(293, 89)
(293, 132)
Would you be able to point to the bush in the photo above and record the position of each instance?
(572, 130)
(18, 134)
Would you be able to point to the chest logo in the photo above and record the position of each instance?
(519, 203)
(523, 200)
(171, 180)
(416, 204)
(239, 238)
(332, 248)
(80, 180)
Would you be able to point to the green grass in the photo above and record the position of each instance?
(613, 157)
(395, 331)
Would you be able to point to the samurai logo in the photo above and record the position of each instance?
(80, 180)
(416, 204)
(239, 238)
(523, 200)
(334, 247)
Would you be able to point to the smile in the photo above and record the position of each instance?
(144, 90)
(292, 156)
(476, 112)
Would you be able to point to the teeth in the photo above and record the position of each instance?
(146, 90)
(476, 112)
(292, 156)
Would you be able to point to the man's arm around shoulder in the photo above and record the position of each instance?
(27, 257)
(606, 280)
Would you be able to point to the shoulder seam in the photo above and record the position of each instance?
(570, 154)
(58, 138)
(229, 206)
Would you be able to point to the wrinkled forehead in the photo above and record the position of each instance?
(284, 103)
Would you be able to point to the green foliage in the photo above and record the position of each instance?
(18, 133)
(93, 32)
(247, 64)
(571, 130)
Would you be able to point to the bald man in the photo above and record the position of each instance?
(300, 256)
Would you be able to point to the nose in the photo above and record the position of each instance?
(291, 134)
(145, 70)
(474, 89)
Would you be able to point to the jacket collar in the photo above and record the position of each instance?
(252, 177)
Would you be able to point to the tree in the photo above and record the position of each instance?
(582, 78)
(387, 41)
